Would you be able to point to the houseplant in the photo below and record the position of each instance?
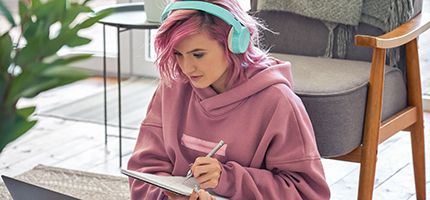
(30, 66)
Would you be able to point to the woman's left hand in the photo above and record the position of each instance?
(174, 196)
(196, 195)
(204, 195)
(207, 171)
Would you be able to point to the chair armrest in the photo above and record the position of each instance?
(399, 36)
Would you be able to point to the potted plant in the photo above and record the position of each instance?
(31, 66)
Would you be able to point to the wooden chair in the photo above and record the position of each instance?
(375, 128)
(409, 119)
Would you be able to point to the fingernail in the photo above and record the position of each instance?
(196, 189)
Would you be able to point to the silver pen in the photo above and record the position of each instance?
(210, 154)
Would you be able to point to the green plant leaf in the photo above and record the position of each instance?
(24, 15)
(73, 12)
(36, 78)
(14, 125)
(66, 72)
(32, 51)
(23, 9)
(35, 74)
(41, 69)
(5, 61)
(26, 112)
(50, 12)
(53, 77)
(36, 3)
(2, 90)
(70, 59)
(42, 9)
(6, 49)
(92, 20)
(78, 41)
(7, 14)
(17, 86)
(38, 86)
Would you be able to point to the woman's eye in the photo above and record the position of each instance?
(177, 53)
(198, 55)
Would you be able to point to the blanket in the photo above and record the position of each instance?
(345, 15)
(384, 14)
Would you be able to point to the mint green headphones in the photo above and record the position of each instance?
(239, 36)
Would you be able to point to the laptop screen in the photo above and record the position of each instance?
(20, 190)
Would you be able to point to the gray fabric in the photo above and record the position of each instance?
(338, 11)
(294, 34)
(334, 93)
(330, 40)
(384, 14)
(305, 36)
(417, 4)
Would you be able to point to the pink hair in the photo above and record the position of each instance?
(182, 23)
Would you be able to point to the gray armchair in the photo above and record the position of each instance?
(355, 97)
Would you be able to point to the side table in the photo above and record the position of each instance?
(124, 17)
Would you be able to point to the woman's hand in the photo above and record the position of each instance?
(206, 171)
(174, 196)
(200, 195)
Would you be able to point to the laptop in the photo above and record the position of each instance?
(20, 190)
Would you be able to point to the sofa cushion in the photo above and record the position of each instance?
(334, 93)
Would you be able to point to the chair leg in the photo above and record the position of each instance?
(417, 142)
(417, 130)
(367, 175)
(372, 125)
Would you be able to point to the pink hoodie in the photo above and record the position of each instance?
(269, 152)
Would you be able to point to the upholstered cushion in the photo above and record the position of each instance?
(334, 93)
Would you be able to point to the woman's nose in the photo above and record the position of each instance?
(187, 66)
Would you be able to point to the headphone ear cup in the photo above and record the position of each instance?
(230, 40)
(238, 41)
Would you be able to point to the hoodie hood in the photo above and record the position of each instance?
(276, 72)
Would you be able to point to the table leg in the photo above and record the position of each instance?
(104, 81)
(119, 95)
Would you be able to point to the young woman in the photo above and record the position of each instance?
(216, 84)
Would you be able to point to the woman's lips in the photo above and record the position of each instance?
(195, 78)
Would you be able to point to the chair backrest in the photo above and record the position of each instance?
(301, 35)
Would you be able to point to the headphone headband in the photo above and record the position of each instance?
(210, 8)
(239, 36)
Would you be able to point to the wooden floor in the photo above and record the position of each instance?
(80, 145)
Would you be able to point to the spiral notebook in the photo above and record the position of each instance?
(177, 184)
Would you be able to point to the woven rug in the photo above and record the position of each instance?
(79, 184)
